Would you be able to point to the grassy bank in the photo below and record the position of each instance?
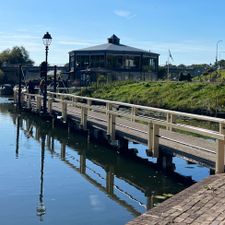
(195, 97)
(215, 76)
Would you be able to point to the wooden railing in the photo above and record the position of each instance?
(154, 118)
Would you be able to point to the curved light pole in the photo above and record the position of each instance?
(217, 47)
(47, 39)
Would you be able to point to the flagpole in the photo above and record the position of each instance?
(168, 61)
(168, 67)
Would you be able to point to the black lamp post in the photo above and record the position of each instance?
(47, 39)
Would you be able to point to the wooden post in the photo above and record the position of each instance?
(38, 103)
(112, 127)
(64, 111)
(29, 102)
(170, 118)
(55, 73)
(220, 156)
(63, 150)
(15, 96)
(109, 181)
(49, 141)
(133, 113)
(74, 100)
(108, 108)
(82, 163)
(89, 102)
(50, 101)
(111, 122)
(83, 122)
(150, 136)
(220, 151)
(155, 140)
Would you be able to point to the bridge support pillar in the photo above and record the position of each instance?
(83, 122)
(150, 136)
(220, 151)
(165, 161)
(49, 141)
(29, 102)
(15, 96)
(123, 144)
(150, 201)
(153, 139)
(38, 103)
(64, 111)
(83, 163)
(50, 101)
(109, 181)
(220, 156)
(111, 122)
(63, 150)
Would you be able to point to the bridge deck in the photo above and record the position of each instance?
(202, 203)
(193, 148)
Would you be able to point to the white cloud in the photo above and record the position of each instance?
(95, 203)
(80, 43)
(124, 13)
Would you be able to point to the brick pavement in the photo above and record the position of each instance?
(202, 203)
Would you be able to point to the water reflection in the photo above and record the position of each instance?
(41, 206)
(132, 183)
(17, 136)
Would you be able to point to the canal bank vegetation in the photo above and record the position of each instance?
(193, 97)
(215, 76)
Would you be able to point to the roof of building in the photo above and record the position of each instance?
(113, 45)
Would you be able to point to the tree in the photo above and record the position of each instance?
(221, 63)
(16, 55)
(2, 77)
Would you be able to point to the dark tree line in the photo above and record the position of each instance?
(13, 57)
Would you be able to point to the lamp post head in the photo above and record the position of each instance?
(47, 39)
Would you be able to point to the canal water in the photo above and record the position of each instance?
(51, 177)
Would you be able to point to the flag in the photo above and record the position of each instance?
(170, 55)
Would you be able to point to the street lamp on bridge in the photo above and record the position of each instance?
(47, 39)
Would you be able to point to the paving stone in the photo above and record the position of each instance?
(201, 204)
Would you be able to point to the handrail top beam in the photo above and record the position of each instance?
(190, 115)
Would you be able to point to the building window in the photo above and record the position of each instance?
(82, 61)
(148, 64)
(97, 61)
(126, 62)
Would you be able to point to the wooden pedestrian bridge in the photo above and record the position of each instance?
(193, 137)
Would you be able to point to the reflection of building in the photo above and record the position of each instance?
(115, 61)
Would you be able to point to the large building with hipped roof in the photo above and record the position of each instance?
(114, 61)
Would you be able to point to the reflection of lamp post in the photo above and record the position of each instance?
(47, 39)
(41, 207)
(217, 47)
(17, 136)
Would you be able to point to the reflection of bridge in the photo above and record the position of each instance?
(134, 174)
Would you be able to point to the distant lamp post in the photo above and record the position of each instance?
(217, 48)
(47, 40)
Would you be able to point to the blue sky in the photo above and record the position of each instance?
(190, 29)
